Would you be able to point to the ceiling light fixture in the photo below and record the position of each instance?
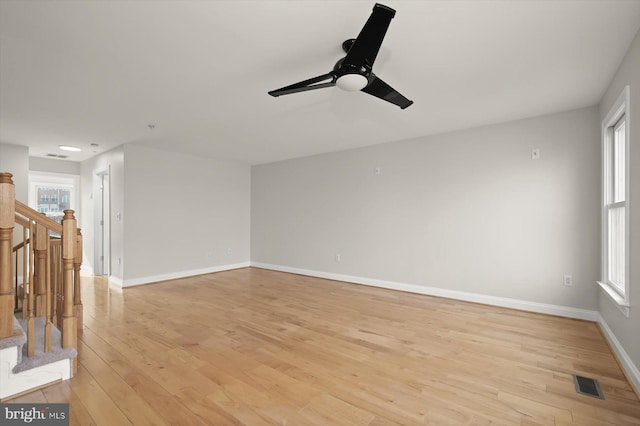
(352, 82)
(69, 148)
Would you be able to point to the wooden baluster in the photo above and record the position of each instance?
(55, 277)
(16, 298)
(31, 323)
(25, 283)
(40, 272)
(77, 300)
(7, 218)
(69, 243)
(51, 258)
(59, 286)
(47, 298)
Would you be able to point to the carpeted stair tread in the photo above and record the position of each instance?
(41, 357)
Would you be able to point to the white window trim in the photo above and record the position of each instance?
(43, 178)
(620, 107)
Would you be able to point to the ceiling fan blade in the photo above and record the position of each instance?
(365, 49)
(303, 86)
(382, 90)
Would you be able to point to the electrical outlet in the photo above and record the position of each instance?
(119, 261)
(567, 280)
(535, 154)
(338, 258)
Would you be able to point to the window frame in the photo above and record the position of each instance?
(619, 112)
(38, 178)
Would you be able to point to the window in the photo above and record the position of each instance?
(52, 193)
(615, 203)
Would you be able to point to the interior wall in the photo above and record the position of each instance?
(467, 211)
(184, 213)
(627, 330)
(50, 165)
(112, 160)
(15, 160)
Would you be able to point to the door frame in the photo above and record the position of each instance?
(102, 221)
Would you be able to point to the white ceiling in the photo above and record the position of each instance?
(82, 72)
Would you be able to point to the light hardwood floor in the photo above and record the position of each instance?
(255, 347)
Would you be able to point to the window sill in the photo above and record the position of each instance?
(617, 300)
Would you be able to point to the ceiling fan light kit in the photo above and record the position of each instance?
(354, 71)
(352, 82)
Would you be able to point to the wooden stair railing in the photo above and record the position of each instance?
(50, 270)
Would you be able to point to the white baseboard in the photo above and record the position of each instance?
(633, 374)
(175, 275)
(87, 269)
(115, 281)
(523, 305)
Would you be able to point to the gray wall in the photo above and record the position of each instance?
(50, 165)
(467, 211)
(183, 213)
(15, 160)
(627, 330)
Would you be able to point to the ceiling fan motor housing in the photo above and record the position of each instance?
(347, 44)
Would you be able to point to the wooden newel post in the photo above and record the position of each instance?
(7, 220)
(77, 299)
(69, 243)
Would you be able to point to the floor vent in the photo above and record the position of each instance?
(587, 386)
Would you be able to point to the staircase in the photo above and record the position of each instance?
(40, 303)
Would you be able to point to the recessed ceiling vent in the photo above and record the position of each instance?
(587, 386)
(57, 155)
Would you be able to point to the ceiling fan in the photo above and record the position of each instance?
(354, 71)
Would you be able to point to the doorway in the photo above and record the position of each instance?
(102, 211)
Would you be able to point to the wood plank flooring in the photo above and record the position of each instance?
(257, 347)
